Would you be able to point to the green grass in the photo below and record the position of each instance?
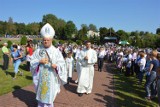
(129, 93)
(7, 84)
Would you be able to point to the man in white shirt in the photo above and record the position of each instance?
(101, 55)
(134, 57)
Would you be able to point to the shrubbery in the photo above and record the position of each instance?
(1, 45)
(9, 44)
(23, 40)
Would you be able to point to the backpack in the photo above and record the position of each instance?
(23, 57)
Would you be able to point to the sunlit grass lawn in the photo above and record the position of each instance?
(129, 93)
(7, 84)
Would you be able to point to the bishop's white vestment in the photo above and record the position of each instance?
(47, 80)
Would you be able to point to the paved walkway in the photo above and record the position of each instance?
(102, 95)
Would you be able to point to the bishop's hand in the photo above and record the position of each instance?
(54, 66)
(86, 57)
(43, 61)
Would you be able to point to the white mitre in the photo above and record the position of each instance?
(47, 31)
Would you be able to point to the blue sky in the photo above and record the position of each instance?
(128, 15)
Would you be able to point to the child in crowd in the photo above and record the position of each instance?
(141, 63)
(120, 63)
(70, 66)
(129, 63)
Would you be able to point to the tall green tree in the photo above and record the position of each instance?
(51, 19)
(141, 33)
(93, 27)
(146, 33)
(70, 29)
(137, 41)
(149, 40)
(157, 43)
(33, 28)
(134, 33)
(111, 30)
(82, 32)
(60, 34)
(2, 26)
(21, 28)
(103, 32)
(11, 28)
(84, 26)
(122, 34)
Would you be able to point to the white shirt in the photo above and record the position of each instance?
(74, 50)
(134, 56)
(120, 54)
(142, 64)
(129, 60)
(78, 54)
(101, 54)
(129, 57)
(18, 47)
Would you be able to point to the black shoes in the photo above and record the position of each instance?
(69, 80)
(80, 94)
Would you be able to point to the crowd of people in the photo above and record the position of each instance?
(52, 66)
(139, 62)
(16, 54)
(129, 61)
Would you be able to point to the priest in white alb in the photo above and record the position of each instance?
(88, 58)
(48, 69)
